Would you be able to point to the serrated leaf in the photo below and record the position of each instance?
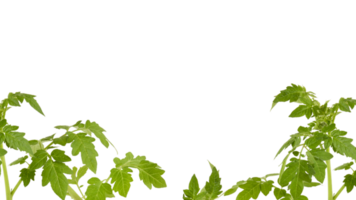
(63, 140)
(345, 166)
(234, 188)
(251, 188)
(151, 174)
(299, 111)
(60, 156)
(343, 146)
(21, 160)
(84, 145)
(97, 190)
(122, 179)
(329, 128)
(193, 190)
(98, 132)
(295, 173)
(53, 172)
(77, 174)
(26, 176)
(349, 181)
(292, 94)
(17, 141)
(285, 145)
(319, 167)
(33, 103)
(33, 142)
(213, 187)
(321, 154)
(266, 187)
(38, 159)
(343, 105)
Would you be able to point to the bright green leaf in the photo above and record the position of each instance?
(84, 145)
(39, 159)
(98, 131)
(97, 190)
(17, 141)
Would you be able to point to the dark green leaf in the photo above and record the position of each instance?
(329, 128)
(292, 94)
(26, 176)
(335, 133)
(319, 167)
(349, 182)
(2, 123)
(312, 184)
(343, 146)
(63, 140)
(13, 101)
(2, 152)
(279, 193)
(266, 187)
(343, 105)
(299, 111)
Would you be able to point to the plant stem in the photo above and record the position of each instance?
(6, 178)
(17, 186)
(338, 192)
(330, 186)
(80, 191)
(73, 194)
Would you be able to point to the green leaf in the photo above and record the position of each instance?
(77, 174)
(193, 190)
(84, 145)
(345, 166)
(39, 159)
(151, 174)
(3, 122)
(312, 184)
(213, 187)
(98, 131)
(266, 187)
(350, 182)
(329, 128)
(122, 179)
(33, 142)
(26, 176)
(63, 140)
(97, 190)
(285, 145)
(63, 127)
(299, 111)
(59, 156)
(234, 188)
(344, 105)
(279, 193)
(315, 140)
(53, 172)
(297, 172)
(17, 141)
(319, 167)
(311, 158)
(13, 101)
(321, 154)
(251, 188)
(2, 152)
(21, 160)
(343, 146)
(48, 138)
(292, 94)
(335, 133)
(128, 161)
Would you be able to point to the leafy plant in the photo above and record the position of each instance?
(54, 162)
(309, 149)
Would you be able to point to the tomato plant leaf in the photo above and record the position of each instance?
(39, 159)
(97, 190)
(234, 189)
(33, 142)
(345, 166)
(84, 144)
(20, 161)
(17, 141)
(97, 131)
(193, 190)
(122, 180)
(26, 176)
(213, 187)
(343, 146)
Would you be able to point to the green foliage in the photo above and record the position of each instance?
(150, 173)
(98, 190)
(213, 187)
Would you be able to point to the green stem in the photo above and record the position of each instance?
(80, 191)
(17, 186)
(6, 177)
(330, 186)
(338, 192)
(73, 194)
